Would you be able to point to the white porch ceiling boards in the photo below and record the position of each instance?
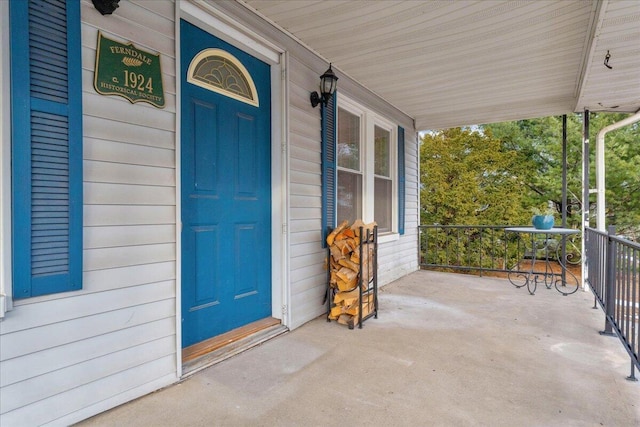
(453, 63)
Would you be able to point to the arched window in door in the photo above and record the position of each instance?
(221, 72)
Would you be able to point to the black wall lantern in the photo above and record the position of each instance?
(328, 83)
(106, 7)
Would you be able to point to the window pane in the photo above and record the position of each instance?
(348, 140)
(382, 204)
(382, 150)
(349, 196)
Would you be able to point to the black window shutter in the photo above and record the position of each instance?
(401, 181)
(46, 146)
(329, 171)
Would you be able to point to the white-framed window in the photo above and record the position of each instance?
(349, 195)
(383, 180)
(366, 162)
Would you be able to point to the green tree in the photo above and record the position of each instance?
(539, 141)
(496, 174)
(468, 177)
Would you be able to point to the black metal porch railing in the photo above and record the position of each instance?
(613, 274)
(488, 248)
(466, 248)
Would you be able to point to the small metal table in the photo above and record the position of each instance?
(548, 277)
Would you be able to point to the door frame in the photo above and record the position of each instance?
(6, 249)
(213, 21)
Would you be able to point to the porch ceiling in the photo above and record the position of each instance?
(454, 63)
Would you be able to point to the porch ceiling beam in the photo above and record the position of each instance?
(590, 47)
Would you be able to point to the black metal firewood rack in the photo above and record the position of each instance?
(367, 283)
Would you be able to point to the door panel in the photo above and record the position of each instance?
(226, 199)
(205, 155)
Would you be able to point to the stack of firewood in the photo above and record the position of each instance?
(345, 269)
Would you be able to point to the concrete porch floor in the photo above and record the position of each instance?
(446, 349)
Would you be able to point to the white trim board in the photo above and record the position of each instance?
(5, 164)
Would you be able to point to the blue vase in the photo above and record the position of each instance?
(543, 222)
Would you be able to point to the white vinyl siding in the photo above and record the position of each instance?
(306, 271)
(66, 356)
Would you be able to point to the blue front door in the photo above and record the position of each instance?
(226, 187)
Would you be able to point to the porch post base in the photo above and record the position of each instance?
(632, 377)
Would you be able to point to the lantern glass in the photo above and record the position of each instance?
(327, 86)
(328, 82)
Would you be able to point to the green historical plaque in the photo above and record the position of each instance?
(124, 70)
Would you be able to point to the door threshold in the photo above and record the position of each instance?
(222, 347)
